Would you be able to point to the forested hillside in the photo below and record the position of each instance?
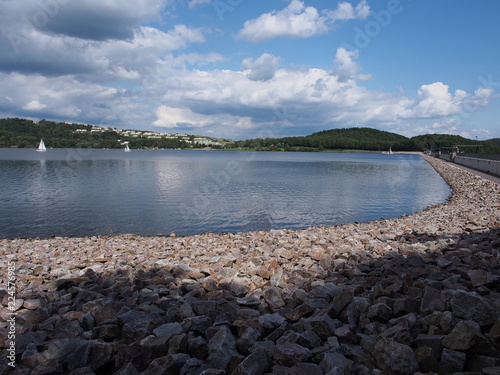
(433, 141)
(336, 139)
(22, 133)
(16, 132)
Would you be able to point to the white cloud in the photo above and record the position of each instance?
(295, 21)
(345, 66)
(262, 69)
(345, 11)
(177, 117)
(299, 21)
(436, 100)
(34, 105)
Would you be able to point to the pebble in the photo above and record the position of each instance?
(419, 293)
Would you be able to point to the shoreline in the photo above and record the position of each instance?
(279, 299)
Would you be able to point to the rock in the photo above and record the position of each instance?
(256, 363)
(427, 359)
(107, 311)
(451, 361)
(431, 301)
(466, 335)
(300, 311)
(168, 365)
(247, 339)
(334, 361)
(91, 354)
(394, 358)
(137, 355)
(82, 371)
(323, 325)
(495, 333)
(379, 311)
(135, 319)
(168, 330)
(481, 277)
(221, 348)
(471, 306)
(290, 354)
(305, 369)
(129, 369)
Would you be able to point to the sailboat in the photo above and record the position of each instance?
(388, 152)
(127, 149)
(41, 146)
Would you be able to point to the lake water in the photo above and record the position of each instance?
(84, 192)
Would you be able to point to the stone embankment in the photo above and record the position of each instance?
(417, 294)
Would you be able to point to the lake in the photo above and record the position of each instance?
(85, 192)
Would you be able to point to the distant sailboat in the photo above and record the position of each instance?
(127, 149)
(41, 146)
(388, 152)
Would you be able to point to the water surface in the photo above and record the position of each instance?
(89, 192)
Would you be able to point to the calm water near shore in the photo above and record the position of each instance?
(88, 192)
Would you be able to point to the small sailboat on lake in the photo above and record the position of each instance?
(41, 146)
(127, 149)
(388, 152)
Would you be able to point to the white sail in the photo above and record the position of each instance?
(41, 146)
(127, 149)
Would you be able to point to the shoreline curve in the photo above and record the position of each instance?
(356, 296)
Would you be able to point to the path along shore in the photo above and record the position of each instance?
(416, 294)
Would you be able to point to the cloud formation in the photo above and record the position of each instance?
(130, 74)
(299, 21)
(262, 69)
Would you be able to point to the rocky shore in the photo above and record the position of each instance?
(416, 294)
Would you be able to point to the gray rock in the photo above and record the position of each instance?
(221, 348)
(335, 361)
(466, 335)
(92, 354)
(451, 361)
(290, 354)
(379, 311)
(247, 339)
(129, 369)
(471, 306)
(256, 363)
(431, 301)
(168, 365)
(395, 358)
(168, 330)
(323, 325)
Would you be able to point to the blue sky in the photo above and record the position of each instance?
(242, 69)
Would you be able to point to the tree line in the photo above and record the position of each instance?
(22, 133)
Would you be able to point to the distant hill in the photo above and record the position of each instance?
(432, 141)
(16, 132)
(495, 141)
(22, 133)
(366, 139)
